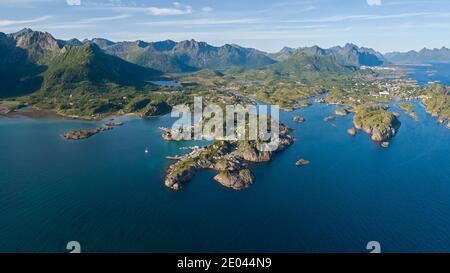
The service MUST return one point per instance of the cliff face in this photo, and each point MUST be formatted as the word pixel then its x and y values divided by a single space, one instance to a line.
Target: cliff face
pixel 384 134
pixel 173 181
pixel 250 153
pixel 39 45
pixel 235 180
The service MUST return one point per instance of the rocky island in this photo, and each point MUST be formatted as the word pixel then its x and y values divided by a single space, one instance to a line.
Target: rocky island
pixel 352 131
pixel 85 133
pixel 228 158
pixel 302 162
pixel 385 144
pixel 381 124
pixel 113 123
pixel 329 118
pixel 298 119
pixel 303 104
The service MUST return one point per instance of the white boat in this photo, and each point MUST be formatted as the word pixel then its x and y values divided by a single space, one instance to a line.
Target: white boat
pixel 146 150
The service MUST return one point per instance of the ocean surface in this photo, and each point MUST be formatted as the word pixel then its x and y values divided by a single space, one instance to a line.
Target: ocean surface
pixel 107 194
pixel 434 72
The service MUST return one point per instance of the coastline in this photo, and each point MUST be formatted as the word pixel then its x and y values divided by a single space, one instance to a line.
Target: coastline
pixel 39 114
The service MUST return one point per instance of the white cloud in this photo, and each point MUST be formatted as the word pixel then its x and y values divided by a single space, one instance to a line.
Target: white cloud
pixel 200 22
pixel 177 9
pixel 368 17
pixel 104 19
pixel 374 2
pixel 9 23
pixel 207 9
pixel 73 2
pixel 309 8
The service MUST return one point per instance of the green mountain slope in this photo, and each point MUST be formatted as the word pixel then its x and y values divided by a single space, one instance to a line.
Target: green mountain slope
pixel 185 56
pixel 300 64
pixel 89 63
pixel 349 55
pixel 425 55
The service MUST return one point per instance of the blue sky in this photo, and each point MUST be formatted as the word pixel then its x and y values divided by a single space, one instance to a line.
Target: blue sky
pixel 386 25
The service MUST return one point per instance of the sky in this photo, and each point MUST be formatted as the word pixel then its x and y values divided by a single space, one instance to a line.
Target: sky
pixel 385 25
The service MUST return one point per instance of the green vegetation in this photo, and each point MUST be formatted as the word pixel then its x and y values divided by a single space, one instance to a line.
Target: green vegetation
pixel 341 112
pixel 185 56
pixel 209 154
pixel 437 101
pixel 408 109
pixel 376 120
pixel 373 117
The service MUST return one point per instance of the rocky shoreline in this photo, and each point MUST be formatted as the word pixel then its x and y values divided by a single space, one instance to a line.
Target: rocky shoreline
pixel 87 133
pixel 298 119
pixel 377 122
pixel 409 110
pixel 84 133
pixel 228 158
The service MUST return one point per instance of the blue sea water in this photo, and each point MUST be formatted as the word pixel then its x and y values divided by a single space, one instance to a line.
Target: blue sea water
pixel 106 193
pixel 434 72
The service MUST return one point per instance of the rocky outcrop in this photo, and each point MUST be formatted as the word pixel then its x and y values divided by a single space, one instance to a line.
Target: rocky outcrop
pixel 298 119
pixel 383 134
pixel 113 124
pixel 352 131
pixel 85 133
pixel 302 162
pixel 377 121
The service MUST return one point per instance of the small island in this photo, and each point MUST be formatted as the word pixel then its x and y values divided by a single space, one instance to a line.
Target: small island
pixel 329 118
pixel 298 119
pixel 302 162
pixel 352 131
pixel 85 133
pixel 112 123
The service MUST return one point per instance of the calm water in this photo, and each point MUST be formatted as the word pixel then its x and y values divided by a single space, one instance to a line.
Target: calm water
pixel 107 194
pixel 167 83
pixel 437 72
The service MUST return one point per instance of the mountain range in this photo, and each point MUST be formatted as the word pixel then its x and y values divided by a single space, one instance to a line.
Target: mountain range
pixel 31 61
pixel 184 56
pixel 349 55
pixel 36 61
pixel 425 55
